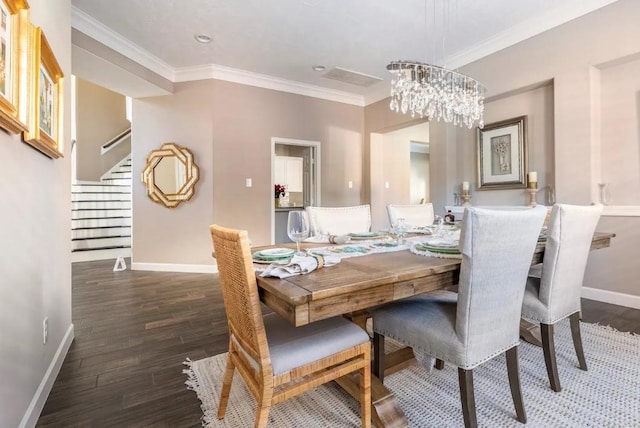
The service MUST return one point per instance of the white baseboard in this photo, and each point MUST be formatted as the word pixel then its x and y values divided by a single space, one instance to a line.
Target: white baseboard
pixel 615 298
pixel 32 414
pixel 169 267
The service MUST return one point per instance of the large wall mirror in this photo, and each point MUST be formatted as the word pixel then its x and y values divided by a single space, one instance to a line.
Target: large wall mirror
pixel 170 175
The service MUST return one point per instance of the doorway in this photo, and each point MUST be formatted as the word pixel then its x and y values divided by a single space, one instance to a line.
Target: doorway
pixel 399 170
pixel 296 164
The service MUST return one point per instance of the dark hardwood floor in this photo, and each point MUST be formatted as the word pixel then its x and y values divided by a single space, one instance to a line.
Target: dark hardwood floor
pixel 133 330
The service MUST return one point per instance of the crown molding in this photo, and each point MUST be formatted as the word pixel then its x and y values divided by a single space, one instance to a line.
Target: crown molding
pixel 105 35
pixel 249 78
pixel 551 18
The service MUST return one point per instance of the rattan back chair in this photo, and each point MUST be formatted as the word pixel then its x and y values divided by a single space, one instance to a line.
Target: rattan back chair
pixel 277 360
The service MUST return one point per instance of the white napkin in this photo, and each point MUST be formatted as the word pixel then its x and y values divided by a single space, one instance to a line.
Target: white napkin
pixel 328 239
pixel 299 265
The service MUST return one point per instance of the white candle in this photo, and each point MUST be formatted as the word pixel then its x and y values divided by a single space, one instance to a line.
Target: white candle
pixel 533 176
pixel 465 186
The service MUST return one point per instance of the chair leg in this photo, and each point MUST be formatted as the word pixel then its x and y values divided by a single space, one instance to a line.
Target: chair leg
pixel 365 394
pixel 513 369
pixel 378 356
pixel 549 349
pixel 226 388
pixel 439 364
pixel 264 406
pixel 574 320
pixel 465 378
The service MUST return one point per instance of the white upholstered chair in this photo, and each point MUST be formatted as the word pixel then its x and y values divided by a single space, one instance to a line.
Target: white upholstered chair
pixel 339 220
pixel 277 360
pixel 553 293
pixel 417 215
pixel 482 320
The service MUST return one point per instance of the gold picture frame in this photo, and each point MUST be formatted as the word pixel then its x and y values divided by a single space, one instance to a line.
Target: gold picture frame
pixel 14 38
pixel 502 154
pixel 45 88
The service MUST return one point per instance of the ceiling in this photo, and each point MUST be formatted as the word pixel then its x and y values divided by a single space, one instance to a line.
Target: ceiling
pixel 278 41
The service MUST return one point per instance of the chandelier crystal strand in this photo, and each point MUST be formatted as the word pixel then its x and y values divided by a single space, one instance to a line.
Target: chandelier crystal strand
pixel 437 93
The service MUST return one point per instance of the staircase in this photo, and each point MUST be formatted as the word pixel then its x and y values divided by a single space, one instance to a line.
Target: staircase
pixel 101 216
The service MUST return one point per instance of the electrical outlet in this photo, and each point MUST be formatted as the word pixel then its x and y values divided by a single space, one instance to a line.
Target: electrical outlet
pixel 45 330
pixel 248 182
pixel 350 184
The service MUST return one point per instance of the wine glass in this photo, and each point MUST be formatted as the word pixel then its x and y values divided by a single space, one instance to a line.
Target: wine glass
pixel 400 229
pixel 298 228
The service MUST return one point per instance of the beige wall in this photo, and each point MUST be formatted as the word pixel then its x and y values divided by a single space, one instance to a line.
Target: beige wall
pixel 229 128
pixel 244 120
pixel 537 105
pixel 174 235
pixel 35 263
pixel 584 106
pixel 620 145
pixel 101 115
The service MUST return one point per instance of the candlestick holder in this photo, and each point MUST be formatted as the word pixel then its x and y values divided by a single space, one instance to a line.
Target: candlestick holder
pixel 532 197
pixel 466 197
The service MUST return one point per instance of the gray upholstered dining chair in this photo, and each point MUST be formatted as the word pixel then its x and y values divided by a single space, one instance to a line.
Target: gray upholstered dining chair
pixel 417 215
pixel 482 320
pixel 339 220
pixel 275 359
pixel 553 293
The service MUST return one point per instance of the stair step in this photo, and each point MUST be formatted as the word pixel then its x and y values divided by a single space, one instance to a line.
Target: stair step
pixel 120 174
pixel 106 188
pixel 120 181
pixel 103 232
pixel 99 196
pixel 101 222
pixel 101 254
pixel 100 205
pixel 100 213
pixel 101 243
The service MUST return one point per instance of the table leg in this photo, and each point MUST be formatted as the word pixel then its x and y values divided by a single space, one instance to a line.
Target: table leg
pixel 530 332
pixel 385 411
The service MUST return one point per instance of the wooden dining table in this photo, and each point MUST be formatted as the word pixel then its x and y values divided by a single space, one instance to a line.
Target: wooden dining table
pixel 357 284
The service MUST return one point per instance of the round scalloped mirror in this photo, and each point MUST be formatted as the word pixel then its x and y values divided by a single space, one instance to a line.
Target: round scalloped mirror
pixel 170 175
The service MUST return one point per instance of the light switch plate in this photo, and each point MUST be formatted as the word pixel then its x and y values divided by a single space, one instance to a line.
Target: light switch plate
pixel 248 182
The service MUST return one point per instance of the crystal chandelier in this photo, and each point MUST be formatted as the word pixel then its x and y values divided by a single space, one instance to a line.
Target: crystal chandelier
pixel 437 93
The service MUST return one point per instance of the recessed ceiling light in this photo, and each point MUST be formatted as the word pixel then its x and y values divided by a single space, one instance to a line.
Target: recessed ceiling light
pixel 202 38
pixel 318 67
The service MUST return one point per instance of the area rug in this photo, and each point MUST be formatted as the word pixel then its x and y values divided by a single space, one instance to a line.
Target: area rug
pixel 608 395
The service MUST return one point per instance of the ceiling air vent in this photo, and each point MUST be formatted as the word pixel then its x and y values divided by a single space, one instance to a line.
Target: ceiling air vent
pixel 351 77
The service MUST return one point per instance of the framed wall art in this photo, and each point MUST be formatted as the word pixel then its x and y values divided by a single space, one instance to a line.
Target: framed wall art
pixel 46 103
pixel 502 154
pixel 14 37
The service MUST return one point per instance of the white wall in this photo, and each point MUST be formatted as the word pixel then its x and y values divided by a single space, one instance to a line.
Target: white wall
pixel 35 262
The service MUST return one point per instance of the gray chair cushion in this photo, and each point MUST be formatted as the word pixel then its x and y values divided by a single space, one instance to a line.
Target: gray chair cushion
pixel 292 347
pixel 405 321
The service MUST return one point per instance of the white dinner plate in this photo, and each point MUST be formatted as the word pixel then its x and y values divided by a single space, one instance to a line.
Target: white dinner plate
pixel 271 252
pixel 364 235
